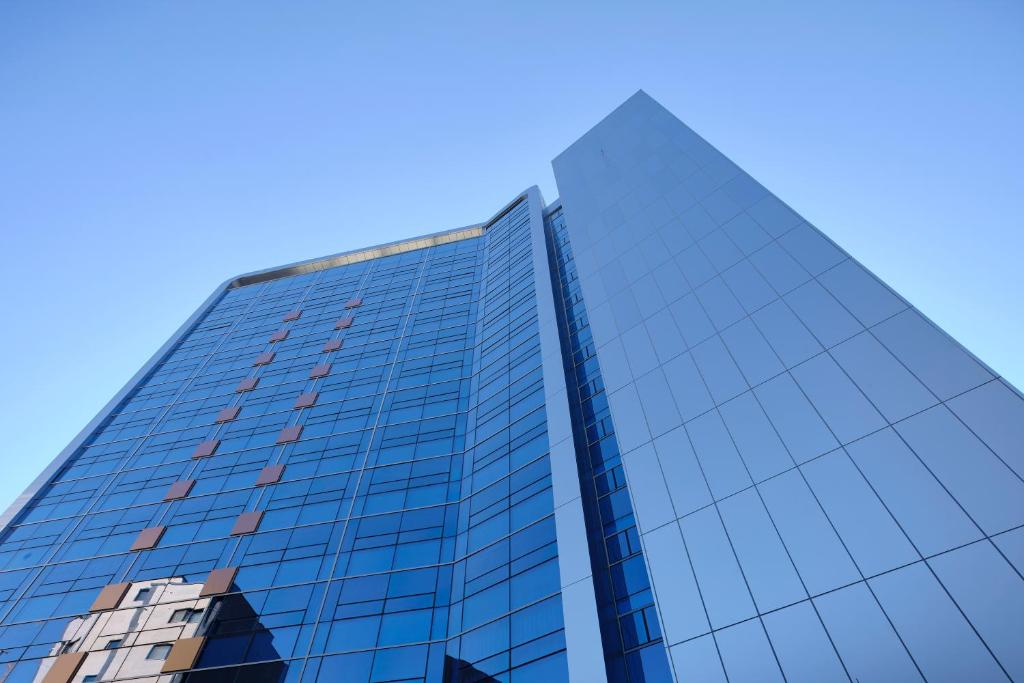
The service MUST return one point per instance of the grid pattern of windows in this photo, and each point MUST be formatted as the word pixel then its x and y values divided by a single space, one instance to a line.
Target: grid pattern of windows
pixel 408 532
pixel 631 635
pixel 827 487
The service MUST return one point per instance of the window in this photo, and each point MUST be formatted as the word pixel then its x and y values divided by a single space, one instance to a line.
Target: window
pixel 192 616
pixel 112 644
pixel 91 678
pixel 143 593
pixel 159 651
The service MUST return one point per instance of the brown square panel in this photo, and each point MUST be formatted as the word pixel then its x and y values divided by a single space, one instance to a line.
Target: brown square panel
pixel 148 538
pixel 320 371
pixel 228 414
pixel 292 315
pixel 247 384
pixel 206 449
pixel 247 523
pixel 264 358
pixel 343 323
pixel 219 582
pixel 271 474
pixel 65 668
pixel 333 345
pixel 183 655
pixel 280 335
pixel 110 597
pixel 306 400
pixel 179 489
pixel 352 303
pixel 289 434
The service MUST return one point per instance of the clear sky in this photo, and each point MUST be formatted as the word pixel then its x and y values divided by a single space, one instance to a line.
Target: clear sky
pixel 149 150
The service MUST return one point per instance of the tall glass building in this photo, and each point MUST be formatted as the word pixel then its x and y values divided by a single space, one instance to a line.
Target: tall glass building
pixel 661 429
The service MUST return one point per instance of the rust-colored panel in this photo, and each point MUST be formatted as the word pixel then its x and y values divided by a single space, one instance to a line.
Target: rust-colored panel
pixel 333 345
pixel 148 538
pixel 280 335
pixel 319 371
pixel 206 449
pixel 264 358
pixel 184 655
pixel 289 434
pixel 228 414
pixel 219 582
pixel 247 523
pixel 271 474
pixel 110 597
pixel 65 668
pixel 306 400
pixel 292 315
pixel 179 489
pixel 343 323
pixel 354 302
pixel 247 384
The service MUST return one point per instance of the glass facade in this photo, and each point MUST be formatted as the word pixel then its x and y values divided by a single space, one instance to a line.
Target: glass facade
pixel 407 529
pixel 825 485
pixel 631 635
pixel 662 429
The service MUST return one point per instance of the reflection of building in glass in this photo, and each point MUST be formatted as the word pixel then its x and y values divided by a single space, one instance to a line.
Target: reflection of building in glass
pixel 457 670
pixel 133 635
pixel 155 631
pixel 659 429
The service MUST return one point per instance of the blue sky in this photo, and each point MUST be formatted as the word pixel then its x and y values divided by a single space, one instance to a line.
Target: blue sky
pixel 152 149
